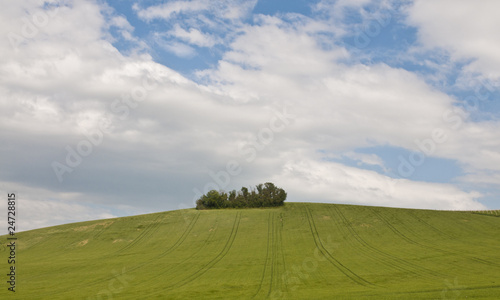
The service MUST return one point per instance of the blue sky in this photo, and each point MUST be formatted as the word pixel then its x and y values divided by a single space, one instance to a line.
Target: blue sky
pixel 114 108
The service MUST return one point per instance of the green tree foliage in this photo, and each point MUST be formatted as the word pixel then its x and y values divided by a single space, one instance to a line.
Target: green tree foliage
pixel 265 195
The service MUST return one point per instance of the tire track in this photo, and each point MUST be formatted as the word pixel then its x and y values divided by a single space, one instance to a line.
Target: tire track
pixel 435 229
pixel 275 280
pixel 448 252
pixel 194 253
pixel 405 293
pixel 96 236
pixel 219 257
pixel 336 263
pixel 104 228
pixel 394 229
pixel 395 262
pixel 404 237
pixel 463 241
pixel 42 239
pixel 176 244
pixel 181 239
pixel 370 251
pixel 275 258
pixel 266 263
pixel 281 249
pixel 150 229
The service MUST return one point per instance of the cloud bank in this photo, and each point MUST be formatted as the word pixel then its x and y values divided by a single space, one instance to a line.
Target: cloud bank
pixel 92 131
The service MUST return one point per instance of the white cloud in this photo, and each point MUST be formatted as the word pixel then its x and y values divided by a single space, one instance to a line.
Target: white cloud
pixel 371 13
pixel 466 30
pixel 234 10
pixel 177 48
pixel 193 36
pixel 337 7
pixel 39 207
pixel 57 85
pixel 121 22
pixel 224 9
pixel 199 23
pixel 367 159
pixel 166 10
pixel 336 183
pixel 482 178
pixel 346 107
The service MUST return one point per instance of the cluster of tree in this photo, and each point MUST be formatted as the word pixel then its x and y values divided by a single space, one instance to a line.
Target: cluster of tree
pixel 264 195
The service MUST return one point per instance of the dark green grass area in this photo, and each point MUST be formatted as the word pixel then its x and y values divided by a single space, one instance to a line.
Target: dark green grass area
pixel 298 251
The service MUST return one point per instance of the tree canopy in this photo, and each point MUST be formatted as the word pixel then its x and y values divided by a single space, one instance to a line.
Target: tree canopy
pixel 264 195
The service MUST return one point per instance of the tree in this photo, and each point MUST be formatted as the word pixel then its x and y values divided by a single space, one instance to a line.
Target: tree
pixel 265 195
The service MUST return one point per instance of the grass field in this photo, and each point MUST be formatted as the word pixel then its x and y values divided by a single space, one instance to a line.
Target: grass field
pixel 299 251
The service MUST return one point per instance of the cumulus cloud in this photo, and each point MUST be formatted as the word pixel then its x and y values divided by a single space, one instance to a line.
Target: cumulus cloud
pixel 193 36
pixel 178 48
pixel 166 10
pixel 464 29
pixel 225 9
pixel 346 107
pixel 337 183
pixel 146 136
pixel 179 25
pixel 39 207
pixel 367 159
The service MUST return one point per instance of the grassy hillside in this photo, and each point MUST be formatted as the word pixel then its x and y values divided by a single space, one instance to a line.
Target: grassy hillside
pixel 299 251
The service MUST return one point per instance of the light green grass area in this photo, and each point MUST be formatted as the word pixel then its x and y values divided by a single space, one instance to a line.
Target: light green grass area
pixel 299 251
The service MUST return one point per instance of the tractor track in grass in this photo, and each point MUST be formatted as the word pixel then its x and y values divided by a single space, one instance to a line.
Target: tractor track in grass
pixel 150 229
pixel 392 261
pixel 432 227
pixel 281 248
pixel 276 283
pixel 190 257
pixel 394 229
pixel 403 236
pixel 215 260
pixel 103 229
pixel 274 254
pixel 355 236
pixel 181 239
pixel 44 239
pixel 449 252
pixel 274 267
pixel 335 262
pixel 176 245
pixel 466 288
pixel 173 247
pixel 269 243
pixel 435 229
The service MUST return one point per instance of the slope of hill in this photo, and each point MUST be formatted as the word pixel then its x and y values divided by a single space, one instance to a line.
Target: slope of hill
pixel 299 251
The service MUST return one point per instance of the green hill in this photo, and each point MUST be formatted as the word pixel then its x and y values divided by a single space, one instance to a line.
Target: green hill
pixel 298 251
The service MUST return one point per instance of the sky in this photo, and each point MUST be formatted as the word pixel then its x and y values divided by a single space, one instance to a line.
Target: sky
pixel 117 108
